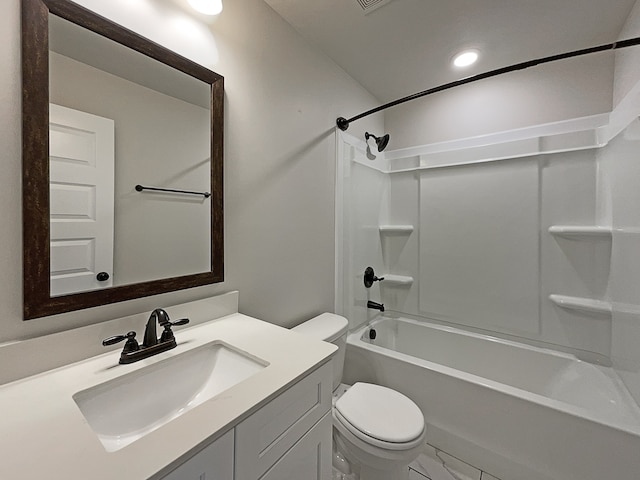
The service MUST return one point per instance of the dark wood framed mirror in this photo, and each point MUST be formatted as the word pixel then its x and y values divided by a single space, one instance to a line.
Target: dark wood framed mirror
pixel 37 19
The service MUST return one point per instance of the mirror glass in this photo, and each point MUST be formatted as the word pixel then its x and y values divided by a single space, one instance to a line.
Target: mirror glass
pixel 132 171
pixel 120 119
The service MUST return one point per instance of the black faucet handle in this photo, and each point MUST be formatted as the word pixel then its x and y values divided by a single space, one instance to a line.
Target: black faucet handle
pixel 167 334
pixel 130 346
pixel 182 321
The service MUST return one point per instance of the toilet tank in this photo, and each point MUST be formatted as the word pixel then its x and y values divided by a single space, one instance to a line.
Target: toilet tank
pixel 331 328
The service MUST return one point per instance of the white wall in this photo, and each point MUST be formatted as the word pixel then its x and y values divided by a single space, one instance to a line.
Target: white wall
pixel 548 93
pixel 282 98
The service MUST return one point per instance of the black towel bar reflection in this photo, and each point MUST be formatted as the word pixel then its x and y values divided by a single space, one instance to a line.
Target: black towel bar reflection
pixel 140 188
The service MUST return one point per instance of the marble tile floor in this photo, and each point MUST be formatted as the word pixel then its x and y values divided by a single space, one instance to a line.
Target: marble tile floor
pixel 434 464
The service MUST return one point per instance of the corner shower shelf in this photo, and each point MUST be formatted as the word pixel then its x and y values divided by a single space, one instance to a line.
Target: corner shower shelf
pixel 397 280
pixel 575 231
pixel 580 303
pixel 396 229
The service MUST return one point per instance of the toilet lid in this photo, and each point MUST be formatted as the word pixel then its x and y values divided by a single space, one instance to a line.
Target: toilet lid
pixel 381 413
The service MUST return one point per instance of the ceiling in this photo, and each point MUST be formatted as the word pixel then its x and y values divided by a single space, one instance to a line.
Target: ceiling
pixel 406 46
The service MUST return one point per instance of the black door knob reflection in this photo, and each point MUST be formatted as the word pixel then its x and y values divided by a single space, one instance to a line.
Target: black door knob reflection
pixel 102 277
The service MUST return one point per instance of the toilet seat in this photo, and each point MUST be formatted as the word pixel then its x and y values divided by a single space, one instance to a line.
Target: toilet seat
pixel 380 416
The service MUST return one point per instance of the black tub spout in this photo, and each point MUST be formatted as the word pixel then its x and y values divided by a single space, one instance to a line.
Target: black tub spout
pixel 375 305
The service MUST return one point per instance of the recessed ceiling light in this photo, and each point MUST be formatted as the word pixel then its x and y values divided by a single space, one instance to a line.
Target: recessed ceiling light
pixel 208 7
pixel 466 58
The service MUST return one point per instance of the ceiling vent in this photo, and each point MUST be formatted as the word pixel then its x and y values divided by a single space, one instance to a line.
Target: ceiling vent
pixel 369 6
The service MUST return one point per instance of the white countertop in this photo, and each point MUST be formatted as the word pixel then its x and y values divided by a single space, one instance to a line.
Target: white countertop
pixel 44 434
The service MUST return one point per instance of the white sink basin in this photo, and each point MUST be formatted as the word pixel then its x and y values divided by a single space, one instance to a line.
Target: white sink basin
pixel 125 409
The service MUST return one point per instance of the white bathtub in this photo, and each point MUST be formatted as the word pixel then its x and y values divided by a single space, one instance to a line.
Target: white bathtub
pixel 518 412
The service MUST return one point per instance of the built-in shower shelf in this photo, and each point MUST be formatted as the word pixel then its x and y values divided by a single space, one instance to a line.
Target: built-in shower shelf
pixel 396 229
pixel 577 231
pixel 581 303
pixel 397 280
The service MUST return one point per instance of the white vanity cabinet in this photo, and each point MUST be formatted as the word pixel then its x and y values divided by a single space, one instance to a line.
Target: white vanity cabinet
pixel 289 438
pixel 309 459
pixel 287 431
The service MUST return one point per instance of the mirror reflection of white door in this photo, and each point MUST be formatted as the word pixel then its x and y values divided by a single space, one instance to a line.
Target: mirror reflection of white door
pixel 82 152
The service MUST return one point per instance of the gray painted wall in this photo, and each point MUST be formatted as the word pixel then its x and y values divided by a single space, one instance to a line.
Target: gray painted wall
pixel 627 69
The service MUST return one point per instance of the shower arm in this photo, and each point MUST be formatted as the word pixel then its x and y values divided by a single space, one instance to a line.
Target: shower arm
pixel 343 123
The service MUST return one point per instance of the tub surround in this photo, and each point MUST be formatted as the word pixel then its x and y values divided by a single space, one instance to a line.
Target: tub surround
pixel 555 274
pixel 41 419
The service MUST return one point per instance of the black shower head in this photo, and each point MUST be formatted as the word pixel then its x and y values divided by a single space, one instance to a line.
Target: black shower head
pixel 380 141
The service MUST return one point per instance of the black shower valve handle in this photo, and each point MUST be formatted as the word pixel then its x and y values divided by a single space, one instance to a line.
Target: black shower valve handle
pixel 370 277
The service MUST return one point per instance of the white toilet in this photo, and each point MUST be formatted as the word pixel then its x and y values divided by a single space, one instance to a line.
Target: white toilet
pixel 377 431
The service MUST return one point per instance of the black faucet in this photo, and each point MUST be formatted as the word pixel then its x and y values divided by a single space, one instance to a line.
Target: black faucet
pixel 151 345
pixel 150 335
pixel 375 305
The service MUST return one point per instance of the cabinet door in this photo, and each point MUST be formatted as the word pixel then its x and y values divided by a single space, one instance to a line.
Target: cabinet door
pixel 215 462
pixel 270 432
pixel 309 459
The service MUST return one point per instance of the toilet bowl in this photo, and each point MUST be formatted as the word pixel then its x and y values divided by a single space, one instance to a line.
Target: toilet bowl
pixel 377 431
